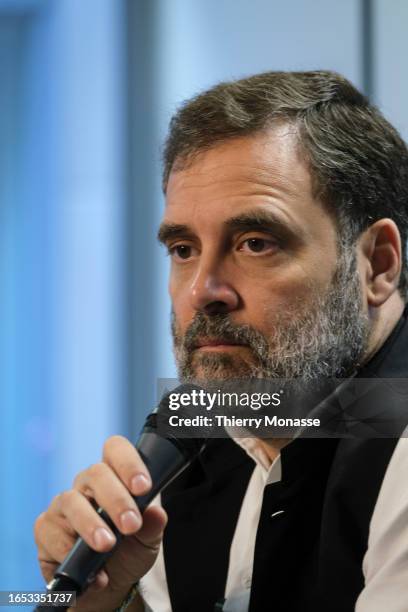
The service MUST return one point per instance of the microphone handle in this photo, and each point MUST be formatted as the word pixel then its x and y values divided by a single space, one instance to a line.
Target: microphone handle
pixel 82 563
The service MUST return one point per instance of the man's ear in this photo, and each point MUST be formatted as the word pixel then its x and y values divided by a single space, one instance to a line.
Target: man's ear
pixel 380 261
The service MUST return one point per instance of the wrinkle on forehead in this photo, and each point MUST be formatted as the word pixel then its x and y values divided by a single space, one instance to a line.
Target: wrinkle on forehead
pixel 266 163
pixel 253 180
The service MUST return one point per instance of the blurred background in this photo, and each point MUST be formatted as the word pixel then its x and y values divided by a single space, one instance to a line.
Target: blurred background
pixel 87 88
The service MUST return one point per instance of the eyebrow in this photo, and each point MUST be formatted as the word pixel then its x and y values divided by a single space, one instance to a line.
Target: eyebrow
pixel 250 221
pixel 259 220
pixel 167 231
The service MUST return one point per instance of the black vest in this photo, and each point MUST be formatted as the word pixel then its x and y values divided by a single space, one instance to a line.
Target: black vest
pixel 308 558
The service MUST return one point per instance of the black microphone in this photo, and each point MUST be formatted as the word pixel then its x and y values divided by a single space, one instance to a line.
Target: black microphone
pixel 165 457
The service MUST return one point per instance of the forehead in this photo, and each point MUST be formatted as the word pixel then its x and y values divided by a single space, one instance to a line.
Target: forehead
pixel 265 170
pixel 258 155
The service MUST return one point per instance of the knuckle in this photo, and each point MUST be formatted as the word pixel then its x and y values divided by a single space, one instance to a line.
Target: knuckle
pixel 63 546
pixel 79 478
pixel 97 470
pixel 127 468
pixel 54 503
pixel 121 503
pixel 46 570
pixel 38 526
pixel 111 444
pixel 66 498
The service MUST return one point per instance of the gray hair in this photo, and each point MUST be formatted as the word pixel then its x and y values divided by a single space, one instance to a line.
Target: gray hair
pixel 358 161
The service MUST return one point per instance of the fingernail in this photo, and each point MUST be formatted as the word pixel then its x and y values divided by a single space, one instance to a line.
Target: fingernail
pixel 140 483
pixel 103 538
pixel 101 579
pixel 130 522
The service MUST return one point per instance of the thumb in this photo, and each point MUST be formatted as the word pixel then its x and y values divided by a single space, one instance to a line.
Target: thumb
pixel 137 553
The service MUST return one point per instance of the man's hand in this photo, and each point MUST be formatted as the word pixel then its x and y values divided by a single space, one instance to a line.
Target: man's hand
pixel 110 484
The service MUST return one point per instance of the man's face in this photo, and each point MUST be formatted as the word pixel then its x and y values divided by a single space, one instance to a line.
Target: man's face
pixel 257 284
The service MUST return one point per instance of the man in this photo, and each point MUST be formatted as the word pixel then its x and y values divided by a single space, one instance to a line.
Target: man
pixel 286 223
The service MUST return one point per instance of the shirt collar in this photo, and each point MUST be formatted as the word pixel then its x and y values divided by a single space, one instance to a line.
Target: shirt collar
pixel 271 470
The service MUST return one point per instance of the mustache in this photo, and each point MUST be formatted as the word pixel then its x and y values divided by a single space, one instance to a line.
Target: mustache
pixel 217 326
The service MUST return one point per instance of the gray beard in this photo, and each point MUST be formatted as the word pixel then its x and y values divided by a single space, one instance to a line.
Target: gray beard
pixel 326 337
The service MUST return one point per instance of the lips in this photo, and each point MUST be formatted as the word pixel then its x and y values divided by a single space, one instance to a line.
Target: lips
pixel 215 342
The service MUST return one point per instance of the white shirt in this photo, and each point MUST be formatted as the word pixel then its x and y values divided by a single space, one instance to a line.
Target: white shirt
pixel 385 565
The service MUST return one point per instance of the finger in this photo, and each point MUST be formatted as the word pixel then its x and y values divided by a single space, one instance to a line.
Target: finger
pixel 54 540
pixel 51 556
pixel 126 462
pixel 48 570
pixel 103 485
pixel 154 523
pixel 137 553
pixel 82 517
pixel 101 582
pixel 51 519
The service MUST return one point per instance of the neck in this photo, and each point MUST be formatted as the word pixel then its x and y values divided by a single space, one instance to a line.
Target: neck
pixel 273 446
pixel 383 320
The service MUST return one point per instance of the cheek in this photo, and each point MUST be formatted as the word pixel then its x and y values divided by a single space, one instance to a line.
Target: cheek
pixel 180 304
pixel 280 290
pixel 274 301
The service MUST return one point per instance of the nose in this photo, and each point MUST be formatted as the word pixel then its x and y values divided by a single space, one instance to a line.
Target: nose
pixel 212 293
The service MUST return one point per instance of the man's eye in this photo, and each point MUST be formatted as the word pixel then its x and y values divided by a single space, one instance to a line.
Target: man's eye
pixel 181 251
pixel 258 245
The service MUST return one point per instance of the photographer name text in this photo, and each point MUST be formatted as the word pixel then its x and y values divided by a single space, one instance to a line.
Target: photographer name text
pixel 232 421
